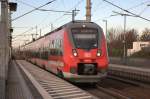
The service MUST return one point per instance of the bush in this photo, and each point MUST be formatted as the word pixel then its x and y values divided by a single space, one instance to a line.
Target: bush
pixel 142 54
pixel 115 52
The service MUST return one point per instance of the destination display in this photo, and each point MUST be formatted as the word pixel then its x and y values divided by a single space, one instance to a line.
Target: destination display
pixel 84 30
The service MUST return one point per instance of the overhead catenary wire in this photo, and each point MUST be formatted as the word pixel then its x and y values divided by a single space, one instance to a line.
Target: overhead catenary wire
pixel 65 12
pixel 21 27
pixel 42 9
pixel 97 6
pixel 68 11
pixel 32 28
pixel 63 3
pixel 54 10
pixel 126 10
pixel 133 7
pixel 24 32
pixel 33 10
pixel 46 10
pixel 78 3
pixel 37 8
pixel 143 10
pixel 29 5
pixel 102 18
pixel 138 5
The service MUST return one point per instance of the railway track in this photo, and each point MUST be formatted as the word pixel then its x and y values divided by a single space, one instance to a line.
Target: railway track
pixel 118 88
pixel 104 93
pixel 124 89
pixel 132 82
pixel 50 86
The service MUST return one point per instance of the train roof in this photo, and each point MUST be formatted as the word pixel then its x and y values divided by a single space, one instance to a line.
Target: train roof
pixel 69 25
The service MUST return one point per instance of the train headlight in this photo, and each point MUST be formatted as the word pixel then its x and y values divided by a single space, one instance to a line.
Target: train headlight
pixel 74 52
pixel 99 53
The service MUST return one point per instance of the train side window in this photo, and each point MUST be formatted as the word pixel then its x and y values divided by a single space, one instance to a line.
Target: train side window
pixel 52 51
pixel 46 55
pixel 59 52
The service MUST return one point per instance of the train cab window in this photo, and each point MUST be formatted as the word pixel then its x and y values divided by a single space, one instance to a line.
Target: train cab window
pixel 85 38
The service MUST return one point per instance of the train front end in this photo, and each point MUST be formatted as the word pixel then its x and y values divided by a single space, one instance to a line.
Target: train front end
pixel 85 53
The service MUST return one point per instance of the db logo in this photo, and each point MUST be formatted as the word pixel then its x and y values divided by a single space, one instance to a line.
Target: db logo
pixel 87 55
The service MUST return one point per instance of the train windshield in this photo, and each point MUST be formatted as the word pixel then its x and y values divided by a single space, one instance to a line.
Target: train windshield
pixel 85 38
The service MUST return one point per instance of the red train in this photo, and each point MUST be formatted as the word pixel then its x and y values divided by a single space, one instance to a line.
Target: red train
pixel 76 51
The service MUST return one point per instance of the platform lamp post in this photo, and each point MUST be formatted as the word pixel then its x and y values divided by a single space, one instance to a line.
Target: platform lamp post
pixel 105 28
pixel 106 34
pixel 124 37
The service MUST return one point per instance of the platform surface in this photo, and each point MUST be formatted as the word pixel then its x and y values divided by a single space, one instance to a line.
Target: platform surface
pixel 16 87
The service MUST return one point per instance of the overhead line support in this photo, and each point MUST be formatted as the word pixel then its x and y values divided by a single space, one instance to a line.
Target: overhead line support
pixel 127 11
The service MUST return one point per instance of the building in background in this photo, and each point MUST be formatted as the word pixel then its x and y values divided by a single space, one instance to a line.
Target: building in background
pixel 138 46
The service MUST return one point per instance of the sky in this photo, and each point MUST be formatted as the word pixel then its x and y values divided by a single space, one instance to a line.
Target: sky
pixel 26 25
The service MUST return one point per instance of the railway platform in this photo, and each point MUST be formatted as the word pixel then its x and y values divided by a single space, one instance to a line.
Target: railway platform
pixel 130 72
pixel 27 81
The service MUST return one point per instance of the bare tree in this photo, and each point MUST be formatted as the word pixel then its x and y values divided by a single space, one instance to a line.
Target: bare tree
pixel 115 38
pixel 145 35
